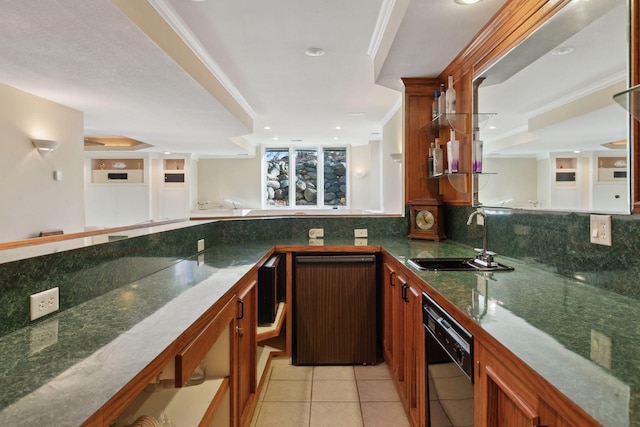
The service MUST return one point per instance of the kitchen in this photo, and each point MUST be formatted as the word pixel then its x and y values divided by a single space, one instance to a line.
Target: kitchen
pixel 574 248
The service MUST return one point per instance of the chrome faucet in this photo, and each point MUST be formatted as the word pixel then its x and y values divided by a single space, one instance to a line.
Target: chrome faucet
pixel 484 257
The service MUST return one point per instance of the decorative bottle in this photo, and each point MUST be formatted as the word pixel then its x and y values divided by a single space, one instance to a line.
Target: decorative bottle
pixel 430 159
pixel 453 153
pixel 435 110
pixel 451 98
pixel 442 100
pixel 438 159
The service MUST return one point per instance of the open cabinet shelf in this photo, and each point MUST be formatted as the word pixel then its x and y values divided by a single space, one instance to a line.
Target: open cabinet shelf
pixel 273 329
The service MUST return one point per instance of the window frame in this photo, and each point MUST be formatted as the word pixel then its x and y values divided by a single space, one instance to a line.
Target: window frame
pixel 293 149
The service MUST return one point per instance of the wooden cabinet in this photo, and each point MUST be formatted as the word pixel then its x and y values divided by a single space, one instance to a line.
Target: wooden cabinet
pixel 245 353
pixel 403 341
pixel 388 283
pixel 508 394
pixel 414 353
pixel 210 380
pixel 184 396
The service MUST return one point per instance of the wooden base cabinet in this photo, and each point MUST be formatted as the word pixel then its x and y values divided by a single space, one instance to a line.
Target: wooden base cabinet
pixel 181 395
pixel 509 394
pixel 403 341
pixel 209 381
pixel 246 351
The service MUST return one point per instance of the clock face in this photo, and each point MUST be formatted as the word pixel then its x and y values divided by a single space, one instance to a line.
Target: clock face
pixel 424 220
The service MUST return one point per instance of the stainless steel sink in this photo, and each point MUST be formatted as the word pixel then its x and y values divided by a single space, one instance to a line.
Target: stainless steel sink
pixel 454 264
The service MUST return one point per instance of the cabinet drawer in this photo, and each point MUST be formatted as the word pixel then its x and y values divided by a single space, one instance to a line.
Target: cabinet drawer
pixel 194 352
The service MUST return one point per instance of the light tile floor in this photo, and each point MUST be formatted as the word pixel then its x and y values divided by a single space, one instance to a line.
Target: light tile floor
pixel 332 396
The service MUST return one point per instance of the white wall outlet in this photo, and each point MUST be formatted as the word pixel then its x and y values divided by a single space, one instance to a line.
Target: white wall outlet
pixel 44 302
pixel 360 232
pixel 200 245
pixel 360 241
pixel 316 242
pixel 316 233
pixel 600 230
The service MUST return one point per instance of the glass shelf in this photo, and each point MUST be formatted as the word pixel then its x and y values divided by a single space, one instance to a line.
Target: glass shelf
pixel 459 121
pixel 480 120
pixel 630 100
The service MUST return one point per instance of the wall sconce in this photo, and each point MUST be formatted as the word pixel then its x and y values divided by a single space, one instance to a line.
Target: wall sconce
pixel 397 157
pixel 45 145
pixel 360 174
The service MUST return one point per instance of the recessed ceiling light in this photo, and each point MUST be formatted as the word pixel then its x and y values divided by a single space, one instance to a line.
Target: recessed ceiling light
pixel 314 51
pixel 562 50
pixel 466 2
pixel 338 127
pixel 357 114
pixel 492 127
pixel 267 127
pixel 275 139
pixel 335 138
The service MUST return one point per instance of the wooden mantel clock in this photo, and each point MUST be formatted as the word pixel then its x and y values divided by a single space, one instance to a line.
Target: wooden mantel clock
pixel 427 220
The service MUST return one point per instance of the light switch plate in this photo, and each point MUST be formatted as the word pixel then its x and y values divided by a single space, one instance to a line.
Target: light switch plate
pixel 200 245
pixel 600 230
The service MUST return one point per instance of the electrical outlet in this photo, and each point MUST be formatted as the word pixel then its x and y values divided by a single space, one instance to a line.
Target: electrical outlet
pixel 600 230
pixel 360 241
pixel 316 242
pixel 44 302
pixel 360 232
pixel 316 233
pixel 200 245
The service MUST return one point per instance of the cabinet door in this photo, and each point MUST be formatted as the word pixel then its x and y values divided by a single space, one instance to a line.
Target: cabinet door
pixel 501 399
pixel 414 354
pixel 246 324
pixel 387 290
pixel 398 358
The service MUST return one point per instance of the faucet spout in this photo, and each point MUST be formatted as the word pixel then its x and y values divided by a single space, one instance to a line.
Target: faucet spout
pixel 484 256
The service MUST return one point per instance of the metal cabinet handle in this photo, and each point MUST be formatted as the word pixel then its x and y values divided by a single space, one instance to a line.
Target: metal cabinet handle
pixel 241 316
pixel 404 293
pixel 391 281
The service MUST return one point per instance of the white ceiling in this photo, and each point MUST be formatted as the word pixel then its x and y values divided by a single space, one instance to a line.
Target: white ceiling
pixel 142 84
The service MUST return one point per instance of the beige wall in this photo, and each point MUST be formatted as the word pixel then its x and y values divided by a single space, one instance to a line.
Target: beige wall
pixel 236 179
pixel 32 200
pixel 392 172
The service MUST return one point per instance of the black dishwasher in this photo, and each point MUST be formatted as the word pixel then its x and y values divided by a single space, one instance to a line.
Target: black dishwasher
pixel 449 373
pixel 334 309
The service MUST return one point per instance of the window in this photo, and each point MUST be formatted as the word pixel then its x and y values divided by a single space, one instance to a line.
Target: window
pixel 319 177
pixel 335 177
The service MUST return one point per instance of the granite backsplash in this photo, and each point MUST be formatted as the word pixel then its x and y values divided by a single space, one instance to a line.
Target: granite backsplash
pixel 558 242
pixel 87 272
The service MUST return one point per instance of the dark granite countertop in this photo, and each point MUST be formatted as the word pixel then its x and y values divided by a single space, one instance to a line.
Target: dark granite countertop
pixel 580 338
